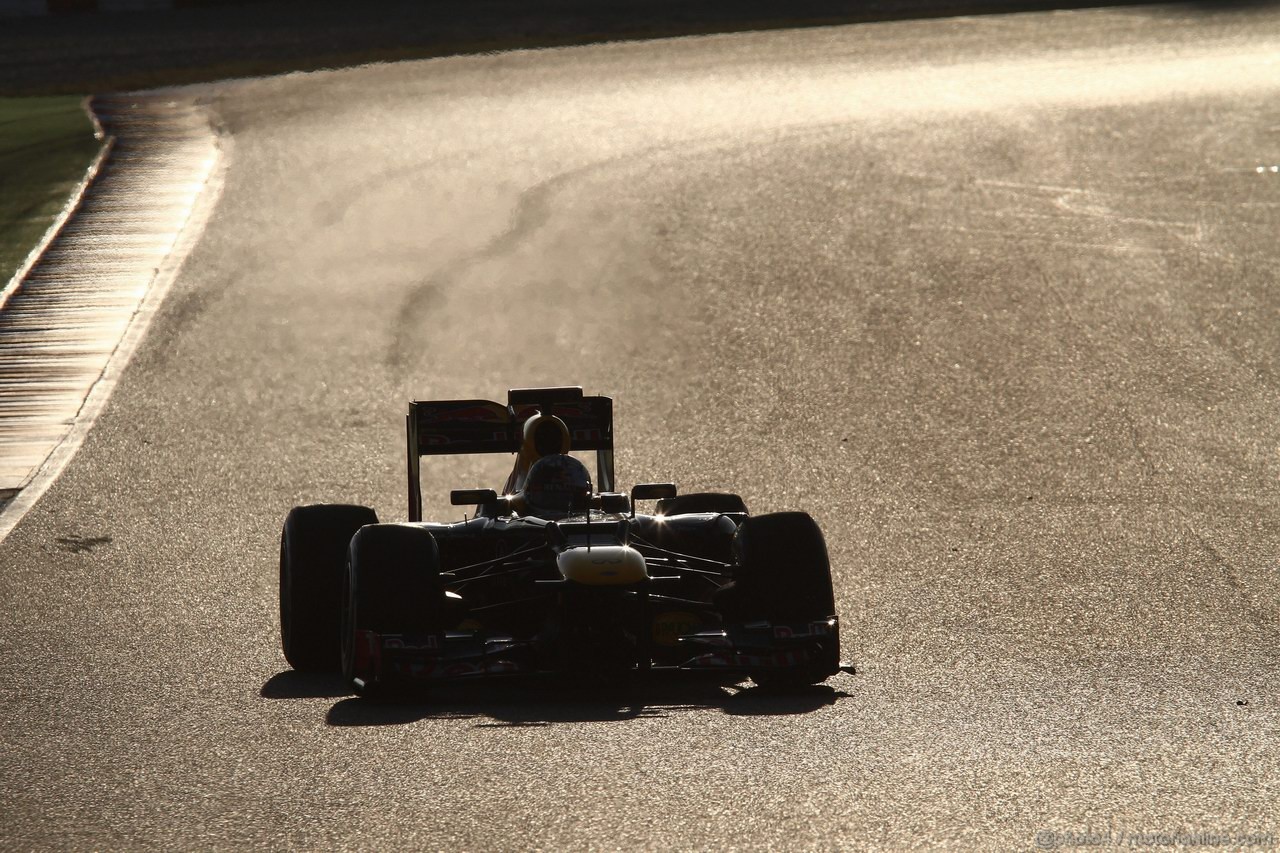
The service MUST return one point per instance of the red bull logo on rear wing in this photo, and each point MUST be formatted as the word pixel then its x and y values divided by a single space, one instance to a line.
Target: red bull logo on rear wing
pixel 482 426
pixel 456 427
pixel 463 426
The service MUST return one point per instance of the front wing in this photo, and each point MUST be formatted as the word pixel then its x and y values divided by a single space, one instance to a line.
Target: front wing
pixel 405 661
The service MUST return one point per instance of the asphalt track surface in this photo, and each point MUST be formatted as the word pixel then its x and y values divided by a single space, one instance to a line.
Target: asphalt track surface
pixel 995 299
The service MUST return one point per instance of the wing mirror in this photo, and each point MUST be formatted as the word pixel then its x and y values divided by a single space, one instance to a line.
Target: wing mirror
pixel 651 492
pixel 465 497
pixel 614 503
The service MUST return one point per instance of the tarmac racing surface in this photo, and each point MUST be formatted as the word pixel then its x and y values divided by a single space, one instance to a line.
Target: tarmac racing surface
pixel 993 298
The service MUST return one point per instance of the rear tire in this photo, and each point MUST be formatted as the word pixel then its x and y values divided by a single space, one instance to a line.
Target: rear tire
pixel 392 587
pixel 313 555
pixel 783 575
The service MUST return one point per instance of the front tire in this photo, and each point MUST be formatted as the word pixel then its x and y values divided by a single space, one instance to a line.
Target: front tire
pixel 783 576
pixel 392 587
pixel 313 556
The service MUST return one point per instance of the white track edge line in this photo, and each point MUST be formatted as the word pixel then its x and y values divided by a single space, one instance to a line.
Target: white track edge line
pixel 96 401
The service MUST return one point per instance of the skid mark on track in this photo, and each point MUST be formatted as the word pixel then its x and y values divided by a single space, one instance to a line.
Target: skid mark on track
pixel 334 207
pixel 1084 78
pixel 1053 238
pixel 1261 619
pixel 531 211
pixel 81 544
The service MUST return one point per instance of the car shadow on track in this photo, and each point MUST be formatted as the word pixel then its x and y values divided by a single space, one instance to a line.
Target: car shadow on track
pixel 508 707
pixel 292 684
pixel 512 705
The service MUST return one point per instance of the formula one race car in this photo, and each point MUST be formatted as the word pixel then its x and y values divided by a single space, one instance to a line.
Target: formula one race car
pixel 552 575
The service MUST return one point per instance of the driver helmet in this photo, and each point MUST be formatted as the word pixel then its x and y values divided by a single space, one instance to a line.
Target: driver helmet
pixel 556 486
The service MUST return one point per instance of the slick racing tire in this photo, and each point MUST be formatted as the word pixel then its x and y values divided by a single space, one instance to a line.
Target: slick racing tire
pixel 783 575
pixel 701 502
pixel 313 555
pixel 392 587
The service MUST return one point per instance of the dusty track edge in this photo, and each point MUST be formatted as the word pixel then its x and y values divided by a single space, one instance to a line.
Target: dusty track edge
pixel 24 499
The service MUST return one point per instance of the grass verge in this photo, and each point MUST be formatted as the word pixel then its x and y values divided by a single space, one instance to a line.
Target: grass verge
pixel 45 146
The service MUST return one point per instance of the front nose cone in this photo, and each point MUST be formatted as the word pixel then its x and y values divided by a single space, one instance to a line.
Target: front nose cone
pixel 602 565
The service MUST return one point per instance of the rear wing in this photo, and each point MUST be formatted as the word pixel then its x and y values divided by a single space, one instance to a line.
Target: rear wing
pixel 451 427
